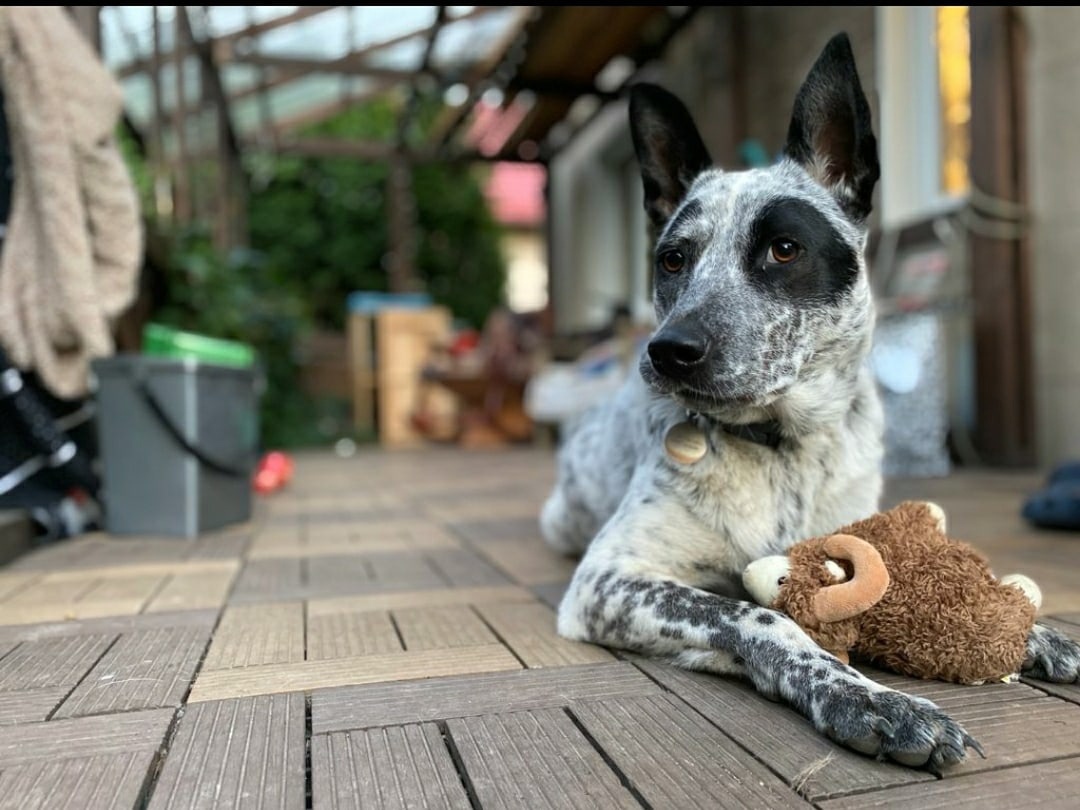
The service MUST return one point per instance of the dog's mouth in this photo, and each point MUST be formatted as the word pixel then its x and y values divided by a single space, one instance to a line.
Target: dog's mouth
pixel 707 403
pixel 718 400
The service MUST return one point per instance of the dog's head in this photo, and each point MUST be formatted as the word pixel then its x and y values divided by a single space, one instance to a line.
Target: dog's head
pixel 760 283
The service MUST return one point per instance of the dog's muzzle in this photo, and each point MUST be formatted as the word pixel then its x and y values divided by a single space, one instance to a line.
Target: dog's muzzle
pixel 678 352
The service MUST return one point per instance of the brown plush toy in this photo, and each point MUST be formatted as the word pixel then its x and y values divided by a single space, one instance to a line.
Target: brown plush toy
pixel 894 590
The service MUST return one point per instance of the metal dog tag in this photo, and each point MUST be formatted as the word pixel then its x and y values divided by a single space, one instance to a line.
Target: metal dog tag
pixel 685 443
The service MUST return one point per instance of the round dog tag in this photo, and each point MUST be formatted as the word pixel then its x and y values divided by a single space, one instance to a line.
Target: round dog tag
pixel 685 443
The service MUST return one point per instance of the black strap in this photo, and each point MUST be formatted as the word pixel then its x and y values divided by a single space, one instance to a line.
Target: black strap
pixel 767 434
pixel 203 458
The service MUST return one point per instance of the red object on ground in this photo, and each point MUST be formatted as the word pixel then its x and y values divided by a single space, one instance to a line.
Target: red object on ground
pixel 464 342
pixel 275 470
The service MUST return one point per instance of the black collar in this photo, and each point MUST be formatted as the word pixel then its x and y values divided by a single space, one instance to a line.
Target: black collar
pixel 767 434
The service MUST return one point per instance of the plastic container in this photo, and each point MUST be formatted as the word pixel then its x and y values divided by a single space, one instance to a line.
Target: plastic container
pixel 178 444
pixel 164 341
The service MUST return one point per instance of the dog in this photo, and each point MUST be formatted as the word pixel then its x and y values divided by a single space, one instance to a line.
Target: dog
pixel 754 421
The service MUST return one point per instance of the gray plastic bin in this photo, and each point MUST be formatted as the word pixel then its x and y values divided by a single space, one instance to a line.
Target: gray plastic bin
pixel 179 440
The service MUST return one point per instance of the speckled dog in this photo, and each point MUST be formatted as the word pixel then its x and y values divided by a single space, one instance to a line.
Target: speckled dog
pixel 754 422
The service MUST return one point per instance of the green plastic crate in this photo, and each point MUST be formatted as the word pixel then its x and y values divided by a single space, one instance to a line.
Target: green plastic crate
pixel 164 341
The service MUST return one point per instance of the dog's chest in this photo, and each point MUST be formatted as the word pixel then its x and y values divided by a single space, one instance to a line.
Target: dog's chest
pixel 753 499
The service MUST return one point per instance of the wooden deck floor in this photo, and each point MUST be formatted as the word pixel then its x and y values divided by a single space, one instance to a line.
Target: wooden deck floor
pixel 382 635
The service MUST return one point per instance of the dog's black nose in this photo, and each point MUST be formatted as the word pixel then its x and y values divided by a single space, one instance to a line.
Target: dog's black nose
pixel 677 352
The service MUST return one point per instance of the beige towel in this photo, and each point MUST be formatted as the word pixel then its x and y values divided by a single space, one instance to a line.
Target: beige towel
pixel 71 256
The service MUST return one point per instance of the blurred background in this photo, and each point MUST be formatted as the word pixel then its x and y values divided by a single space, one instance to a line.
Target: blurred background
pixel 419 225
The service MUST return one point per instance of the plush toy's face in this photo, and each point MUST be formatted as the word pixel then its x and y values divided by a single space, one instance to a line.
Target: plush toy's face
pixel 766 578
pixel 820 581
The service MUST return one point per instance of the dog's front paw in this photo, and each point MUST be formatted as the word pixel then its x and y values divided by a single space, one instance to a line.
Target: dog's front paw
pixel 1051 656
pixel 886 723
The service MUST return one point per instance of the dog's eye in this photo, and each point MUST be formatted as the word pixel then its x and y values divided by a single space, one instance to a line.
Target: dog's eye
pixel 783 251
pixel 781 581
pixel 672 261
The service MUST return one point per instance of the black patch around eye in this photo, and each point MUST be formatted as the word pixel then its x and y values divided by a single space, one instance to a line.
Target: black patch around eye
pixel 826 267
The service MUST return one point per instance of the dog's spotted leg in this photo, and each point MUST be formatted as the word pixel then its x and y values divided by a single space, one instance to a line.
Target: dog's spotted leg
pixel 1051 656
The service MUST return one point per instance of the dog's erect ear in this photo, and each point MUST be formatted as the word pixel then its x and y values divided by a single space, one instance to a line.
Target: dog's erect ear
pixel 669 149
pixel 830 133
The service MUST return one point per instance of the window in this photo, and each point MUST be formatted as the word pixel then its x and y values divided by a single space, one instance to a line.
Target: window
pixel 924 89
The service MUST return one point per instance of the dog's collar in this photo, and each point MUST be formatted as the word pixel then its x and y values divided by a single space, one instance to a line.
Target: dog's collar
pixel 767 434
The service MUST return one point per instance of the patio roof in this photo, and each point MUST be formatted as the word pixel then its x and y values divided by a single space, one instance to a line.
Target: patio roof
pixel 515 81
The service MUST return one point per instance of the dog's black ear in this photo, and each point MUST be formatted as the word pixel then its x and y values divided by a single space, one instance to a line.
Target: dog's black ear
pixel 830 133
pixel 669 148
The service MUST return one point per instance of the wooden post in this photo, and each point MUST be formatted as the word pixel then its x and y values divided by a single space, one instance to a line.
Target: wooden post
pixel 401 225
pixel 1000 268
pixel 181 179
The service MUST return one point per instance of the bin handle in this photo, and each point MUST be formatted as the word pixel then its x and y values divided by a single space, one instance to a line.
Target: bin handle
pixel 170 427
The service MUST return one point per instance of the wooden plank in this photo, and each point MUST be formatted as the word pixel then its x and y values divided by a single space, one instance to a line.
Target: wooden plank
pixel 465 569
pixel 1045 785
pixel 149 569
pixel 779 736
pixel 235 753
pixel 420 598
pixel 221 546
pixel 268 579
pixel 110 624
pixel 673 757
pixel 83 737
pixel 60 662
pixel 147 670
pixel 47 612
pixel 347 635
pixel 47 591
pixel 400 767
pixel 551 594
pixel 527 561
pixel 307 675
pixel 356 538
pixel 102 782
pixel 441 698
pixel 1021 732
pixel 501 507
pixel 529 630
pixel 250 635
pixel 29 705
pixel 370 573
pixel 406 570
pixel 13 582
pixel 1065 691
pixel 193 592
pixel 951 695
pixel 136 589
pixel 538 754
pixel 441 628
pixel 499 531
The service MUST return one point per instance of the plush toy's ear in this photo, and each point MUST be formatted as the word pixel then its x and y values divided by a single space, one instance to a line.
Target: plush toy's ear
pixel 865 588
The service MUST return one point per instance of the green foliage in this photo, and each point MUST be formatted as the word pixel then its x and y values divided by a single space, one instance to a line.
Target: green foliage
pixel 318 232
pixel 322 223
pixel 236 297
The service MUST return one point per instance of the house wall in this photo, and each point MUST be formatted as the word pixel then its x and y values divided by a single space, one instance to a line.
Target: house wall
pixel 598 251
pixel 1053 115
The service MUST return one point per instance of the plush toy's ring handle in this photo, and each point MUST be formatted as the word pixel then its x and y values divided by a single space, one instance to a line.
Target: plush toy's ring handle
pixel 865 588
